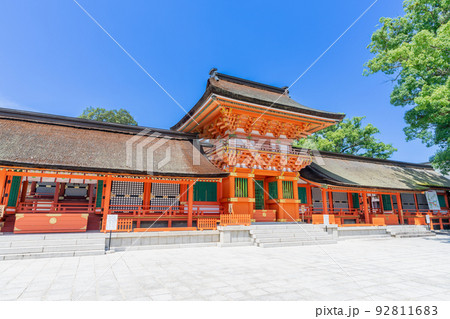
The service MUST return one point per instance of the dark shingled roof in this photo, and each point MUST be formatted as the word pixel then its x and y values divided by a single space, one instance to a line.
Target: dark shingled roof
pixel 357 171
pixel 254 92
pixel 57 142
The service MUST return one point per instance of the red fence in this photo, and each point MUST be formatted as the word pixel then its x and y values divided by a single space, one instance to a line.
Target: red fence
pixel 439 219
pixel 40 206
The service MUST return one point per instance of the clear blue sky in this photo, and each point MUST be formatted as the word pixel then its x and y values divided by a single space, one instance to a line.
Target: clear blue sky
pixel 54 59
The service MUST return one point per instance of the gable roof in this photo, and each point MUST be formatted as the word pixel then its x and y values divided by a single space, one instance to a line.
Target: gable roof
pixel 39 140
pixel 358 171
pixel 253 92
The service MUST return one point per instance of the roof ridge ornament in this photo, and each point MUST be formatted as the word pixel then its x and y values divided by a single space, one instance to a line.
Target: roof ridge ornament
pixel 213 74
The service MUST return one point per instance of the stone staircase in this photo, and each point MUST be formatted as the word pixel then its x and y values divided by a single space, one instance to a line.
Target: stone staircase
pixel 26 246
pixel 363 233
pixel 409 231
pixel 284 235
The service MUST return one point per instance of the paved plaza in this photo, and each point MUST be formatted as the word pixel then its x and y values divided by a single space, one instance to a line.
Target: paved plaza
pixel 384 269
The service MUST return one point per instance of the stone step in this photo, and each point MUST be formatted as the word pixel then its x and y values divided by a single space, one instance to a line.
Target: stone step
pixel 409 231
pixel 285 231
pixel 288 234
pixel 40 249
pixel 290 239
pixel 295 243
pixel 65 242
pixel 366 237
pixel 412 235
pixel 290 226
pixel 168 246
pixel 58 236
pixel 52 254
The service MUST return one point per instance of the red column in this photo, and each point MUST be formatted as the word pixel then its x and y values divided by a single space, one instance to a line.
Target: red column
pixel 107 200
pixel 366 209
pixel 56 195
pixel 400 208
pixel 415 202
pixel 190 203
pixel 281 214
pixel 2 183
pixel 24 191
pixel 251 195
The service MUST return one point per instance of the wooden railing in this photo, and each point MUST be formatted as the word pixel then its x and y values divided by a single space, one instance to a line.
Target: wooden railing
pixel 235 219
pixel 207 223
pixel 124 225
pixel 134 211
pixel 438 219
pixel 51 207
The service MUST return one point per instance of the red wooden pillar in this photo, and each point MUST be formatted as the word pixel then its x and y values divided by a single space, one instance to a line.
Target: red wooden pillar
pixel 350 200
pixel 309 195
pixel 2 183
pixel 33 188
pixel 324 201
pixel 400 208
pixel 281 214
pixel 24 191
pixel 251 195
pixel 231 186
pixel 190 203
pixel 415 202
pixel 330 200
pixel 90 192
pixel 107 200
pixel 380 198
pixel 56 195
pixel 219 191
pixel 366 210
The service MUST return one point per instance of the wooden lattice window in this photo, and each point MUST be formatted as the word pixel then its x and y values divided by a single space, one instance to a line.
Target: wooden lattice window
pixel 240 187
pixel 273 190
pixel 288 189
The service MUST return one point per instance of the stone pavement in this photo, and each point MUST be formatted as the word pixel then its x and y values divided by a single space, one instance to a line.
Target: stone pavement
pixel 384 269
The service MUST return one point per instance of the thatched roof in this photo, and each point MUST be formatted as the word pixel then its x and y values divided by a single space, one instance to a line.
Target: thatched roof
pixel 253 92
pixel 48 141
pixel 357 171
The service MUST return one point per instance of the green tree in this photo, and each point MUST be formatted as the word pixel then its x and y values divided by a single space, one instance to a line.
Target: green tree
pixel 349 137
pixel 120 116
pixel 414 50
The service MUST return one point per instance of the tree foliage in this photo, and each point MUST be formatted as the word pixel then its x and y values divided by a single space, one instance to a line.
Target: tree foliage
pixel 414 50
pixel 349 137
pixel 120 116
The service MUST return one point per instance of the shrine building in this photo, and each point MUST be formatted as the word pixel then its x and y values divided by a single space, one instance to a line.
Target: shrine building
pixel 230 160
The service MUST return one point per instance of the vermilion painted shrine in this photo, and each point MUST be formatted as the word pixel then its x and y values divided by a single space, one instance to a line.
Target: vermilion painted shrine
pixel 230 160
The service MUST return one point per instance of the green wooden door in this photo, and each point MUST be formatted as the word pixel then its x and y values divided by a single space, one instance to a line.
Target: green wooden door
pixel 259 194
pixel 14 191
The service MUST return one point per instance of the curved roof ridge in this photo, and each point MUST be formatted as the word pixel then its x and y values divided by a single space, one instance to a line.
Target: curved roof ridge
pixel 80 123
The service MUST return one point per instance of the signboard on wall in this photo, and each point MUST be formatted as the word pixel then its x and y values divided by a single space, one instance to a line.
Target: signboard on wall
pixel 432 199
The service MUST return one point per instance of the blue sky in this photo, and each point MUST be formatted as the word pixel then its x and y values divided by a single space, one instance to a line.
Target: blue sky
pixel 54 59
